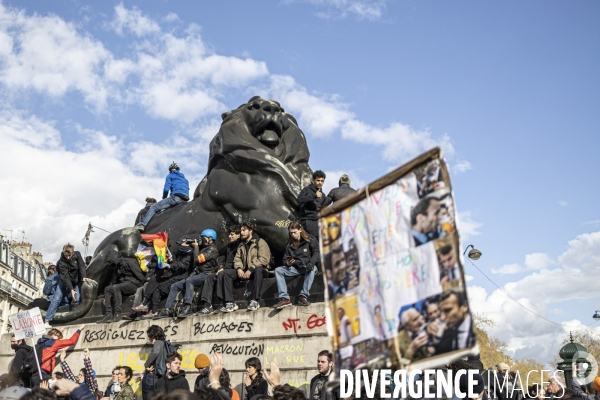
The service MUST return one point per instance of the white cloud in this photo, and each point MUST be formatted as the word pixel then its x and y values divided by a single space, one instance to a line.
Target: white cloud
pixel 401 142
pixel 563 203
pixel 134 21
pixel 172 17
pixel 318 116
pixel 467 227
pixel 47 54
pixel 533 261
pixel 461 166
pixel 363 9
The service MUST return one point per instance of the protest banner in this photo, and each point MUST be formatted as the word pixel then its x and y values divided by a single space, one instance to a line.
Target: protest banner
pixel 393 271
pixel 27 324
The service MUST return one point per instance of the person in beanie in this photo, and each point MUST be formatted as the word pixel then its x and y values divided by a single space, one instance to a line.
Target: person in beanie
pixel 300 258
pixel 202 363
pixel 178 186
pixel 311 200
pixel 344 189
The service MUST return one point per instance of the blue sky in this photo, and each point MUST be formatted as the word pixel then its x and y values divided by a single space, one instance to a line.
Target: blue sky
pixel 98 97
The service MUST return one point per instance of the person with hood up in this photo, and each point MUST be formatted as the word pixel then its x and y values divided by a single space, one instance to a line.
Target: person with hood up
pixel 311 200
pixel 71 268
pixel 178 186
pixel 174 378
pixel 159 285
pixel 149 203
pixel 225 267
pixel 127 277
pixel 16 372
pixel 52 343
pixel 205 262
pixel 343 190
pixel 251 262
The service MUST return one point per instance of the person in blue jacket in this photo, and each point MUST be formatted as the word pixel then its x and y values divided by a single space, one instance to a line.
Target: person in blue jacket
pixel 51 284
pixel 179 188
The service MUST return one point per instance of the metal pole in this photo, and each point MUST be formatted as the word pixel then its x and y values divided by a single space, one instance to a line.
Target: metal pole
pixel 37 360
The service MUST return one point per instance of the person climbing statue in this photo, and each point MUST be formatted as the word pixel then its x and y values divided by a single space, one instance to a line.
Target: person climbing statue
pixel 179 188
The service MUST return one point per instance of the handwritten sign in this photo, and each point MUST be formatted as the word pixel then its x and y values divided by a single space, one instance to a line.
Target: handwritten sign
pixel 27 324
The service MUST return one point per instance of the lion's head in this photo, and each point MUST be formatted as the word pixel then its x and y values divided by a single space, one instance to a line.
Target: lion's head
pixel 260 137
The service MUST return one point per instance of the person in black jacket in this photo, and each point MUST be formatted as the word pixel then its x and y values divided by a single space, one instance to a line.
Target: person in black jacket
pixel 149 202
pixel 300 258
pixel 205 262
pixel 225 266
pixel 126 278
pixel 344 189
pixel 174 378
pixel 317 388
pixel 311 200
pixel 160 284
pixel 254 382
pixel 71 268
pixel 16 374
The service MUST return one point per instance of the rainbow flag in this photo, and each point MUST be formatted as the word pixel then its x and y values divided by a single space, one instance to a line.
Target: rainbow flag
pixel 159 241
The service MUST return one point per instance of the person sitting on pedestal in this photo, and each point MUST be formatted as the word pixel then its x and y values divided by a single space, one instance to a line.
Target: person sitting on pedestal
pixel 178 185
pixel 300 258
pixel 205 262
pixel 251 262
pixel 225 268
pixel 160 284
pixel 126 279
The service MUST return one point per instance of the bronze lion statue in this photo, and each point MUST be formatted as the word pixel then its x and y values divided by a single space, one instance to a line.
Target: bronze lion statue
pixel 257 165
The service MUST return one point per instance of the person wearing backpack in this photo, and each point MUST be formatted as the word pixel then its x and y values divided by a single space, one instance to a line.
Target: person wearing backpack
pixel 154 370
pixel 174 378
pixel 16 373
pixel 47 347
pixel 251 263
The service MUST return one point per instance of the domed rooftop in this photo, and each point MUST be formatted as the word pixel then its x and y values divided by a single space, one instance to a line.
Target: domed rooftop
pixel 568 350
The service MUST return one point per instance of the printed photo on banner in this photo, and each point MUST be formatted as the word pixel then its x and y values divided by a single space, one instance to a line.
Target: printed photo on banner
pixel 436 325
pixel 429 178
pixel 346 310
pixel 447 254
pixel 432 217
pixel 342 270
pixel 330 232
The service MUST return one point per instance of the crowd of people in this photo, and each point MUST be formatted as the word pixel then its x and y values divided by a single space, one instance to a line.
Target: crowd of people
pixel 197 265
pixel 162 377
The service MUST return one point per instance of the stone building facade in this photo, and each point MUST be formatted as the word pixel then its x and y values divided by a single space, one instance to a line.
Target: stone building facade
pixel 22 277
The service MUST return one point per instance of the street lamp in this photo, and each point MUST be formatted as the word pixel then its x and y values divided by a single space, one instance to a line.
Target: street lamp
pixel 596 316
pixel 475 254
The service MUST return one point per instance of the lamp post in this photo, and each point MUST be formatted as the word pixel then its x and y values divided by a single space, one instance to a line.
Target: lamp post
pixel 474 254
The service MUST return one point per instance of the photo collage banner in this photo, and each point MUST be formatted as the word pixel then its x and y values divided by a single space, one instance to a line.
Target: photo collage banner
pixel 393 271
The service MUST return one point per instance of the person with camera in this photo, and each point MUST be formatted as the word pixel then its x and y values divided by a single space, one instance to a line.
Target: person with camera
pixel 126 278
pixel 159 285
pixel 300 258
pixel 205 262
